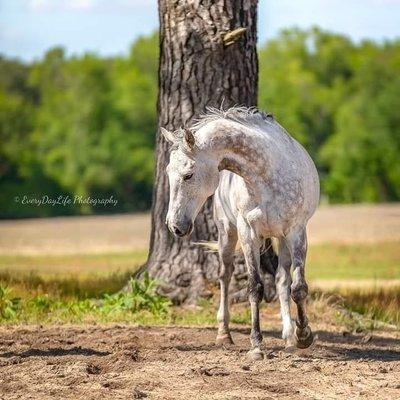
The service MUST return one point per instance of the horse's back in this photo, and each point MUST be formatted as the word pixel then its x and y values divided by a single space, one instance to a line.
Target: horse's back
pixel 293 176
pixel 290 193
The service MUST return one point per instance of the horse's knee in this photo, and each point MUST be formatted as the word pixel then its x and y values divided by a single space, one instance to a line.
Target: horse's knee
pixel 225 272
pixel 255 289
pixel 222 272
pixel 299 291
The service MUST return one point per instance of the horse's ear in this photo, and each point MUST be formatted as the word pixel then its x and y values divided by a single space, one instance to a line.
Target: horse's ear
pixel 169 136
pixel 189 138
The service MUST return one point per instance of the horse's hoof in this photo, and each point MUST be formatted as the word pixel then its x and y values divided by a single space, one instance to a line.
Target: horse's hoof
pixel 290 349
pixel 255 355
pixel 224 340
pixel 290 344
pixel 304 338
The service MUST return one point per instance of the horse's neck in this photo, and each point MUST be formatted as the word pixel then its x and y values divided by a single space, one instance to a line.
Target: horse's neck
pixel 239 150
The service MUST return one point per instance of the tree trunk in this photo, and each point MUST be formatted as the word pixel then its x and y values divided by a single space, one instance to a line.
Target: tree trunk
pixel 205 60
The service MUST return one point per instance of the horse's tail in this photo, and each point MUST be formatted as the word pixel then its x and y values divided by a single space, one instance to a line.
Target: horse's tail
pixel 212 246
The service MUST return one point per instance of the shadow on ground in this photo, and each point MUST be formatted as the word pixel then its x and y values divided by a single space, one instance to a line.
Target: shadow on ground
pixel 55 352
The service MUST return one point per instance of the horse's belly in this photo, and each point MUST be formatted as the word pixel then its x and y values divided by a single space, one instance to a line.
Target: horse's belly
pixel 277 218
pixel 267 223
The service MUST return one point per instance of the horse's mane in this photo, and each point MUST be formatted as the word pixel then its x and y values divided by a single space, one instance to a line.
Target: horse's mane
pixel 248 116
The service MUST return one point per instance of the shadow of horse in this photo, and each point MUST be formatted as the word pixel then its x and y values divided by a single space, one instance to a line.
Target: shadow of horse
pixel 379 348
pixel 55 352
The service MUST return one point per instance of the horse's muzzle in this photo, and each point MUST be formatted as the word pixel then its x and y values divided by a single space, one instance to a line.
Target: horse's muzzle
pixel 181 230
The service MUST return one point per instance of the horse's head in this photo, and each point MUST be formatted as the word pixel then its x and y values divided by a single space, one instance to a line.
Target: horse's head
pixel 193 177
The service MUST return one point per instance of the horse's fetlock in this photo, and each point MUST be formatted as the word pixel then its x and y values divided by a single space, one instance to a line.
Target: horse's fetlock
pixel 302 323
pixel 256 339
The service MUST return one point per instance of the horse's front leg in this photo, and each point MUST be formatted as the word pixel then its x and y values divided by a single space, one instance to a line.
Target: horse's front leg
pixel 251 249
pixel 297 243
pixel 227 239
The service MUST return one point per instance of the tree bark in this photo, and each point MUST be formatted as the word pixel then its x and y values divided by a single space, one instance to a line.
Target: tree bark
pixel 205 60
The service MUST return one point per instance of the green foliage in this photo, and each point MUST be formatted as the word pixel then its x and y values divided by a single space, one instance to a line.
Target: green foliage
pixel 340 100
pixel 8 305
pixel 140 300
pixel 142 305
pixel 141 295
pixel 85 125
pixel 78 127
pixel 42 304
pixel 364 150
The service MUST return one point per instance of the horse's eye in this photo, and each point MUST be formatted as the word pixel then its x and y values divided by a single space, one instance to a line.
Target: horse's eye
pixel 187 177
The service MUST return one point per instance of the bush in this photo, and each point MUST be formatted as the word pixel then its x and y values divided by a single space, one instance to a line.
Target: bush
pixel 8 305
pixel 142 295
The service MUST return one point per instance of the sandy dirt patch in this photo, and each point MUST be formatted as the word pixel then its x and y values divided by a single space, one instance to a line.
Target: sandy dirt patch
pixel 127 362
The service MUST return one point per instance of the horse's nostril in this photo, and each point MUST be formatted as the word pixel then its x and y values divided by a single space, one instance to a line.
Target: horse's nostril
pixel 177 231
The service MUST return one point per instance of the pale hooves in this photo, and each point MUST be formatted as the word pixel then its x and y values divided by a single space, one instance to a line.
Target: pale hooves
pixel 304 337
pixel 255 354
pixel 290 345
pixel 224 340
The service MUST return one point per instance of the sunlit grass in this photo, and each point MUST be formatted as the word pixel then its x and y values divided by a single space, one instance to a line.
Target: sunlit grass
pixel 48 266
pixel 354 261
pixel 325 262
pixel 80 276
pixel 68 289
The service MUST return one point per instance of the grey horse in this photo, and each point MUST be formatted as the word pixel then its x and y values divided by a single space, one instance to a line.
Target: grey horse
pixel 266 186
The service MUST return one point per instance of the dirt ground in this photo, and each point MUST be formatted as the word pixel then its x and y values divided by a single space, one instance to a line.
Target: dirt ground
pixel 128 362
pixel 356 223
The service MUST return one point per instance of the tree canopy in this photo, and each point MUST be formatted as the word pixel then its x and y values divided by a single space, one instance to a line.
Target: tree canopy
pixel 85 125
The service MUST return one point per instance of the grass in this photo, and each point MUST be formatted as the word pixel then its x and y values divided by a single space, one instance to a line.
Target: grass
pixel 354 261
pixel 141 298
pixel 75 276
pixel 141 305
pixel 81 288
pixel 67 265
pixel 376 305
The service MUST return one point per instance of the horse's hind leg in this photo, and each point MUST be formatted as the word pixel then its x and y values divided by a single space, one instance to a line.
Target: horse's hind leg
pixel 251 251
pixel 268 267
pixel 283 282
pixel 227 239
pixel 297 243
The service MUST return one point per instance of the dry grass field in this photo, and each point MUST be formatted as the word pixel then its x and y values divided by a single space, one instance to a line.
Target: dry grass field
pixel 347 224
pixel 348 245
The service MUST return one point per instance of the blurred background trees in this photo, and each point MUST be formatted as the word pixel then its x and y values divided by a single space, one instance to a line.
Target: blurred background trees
pixel 85 125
